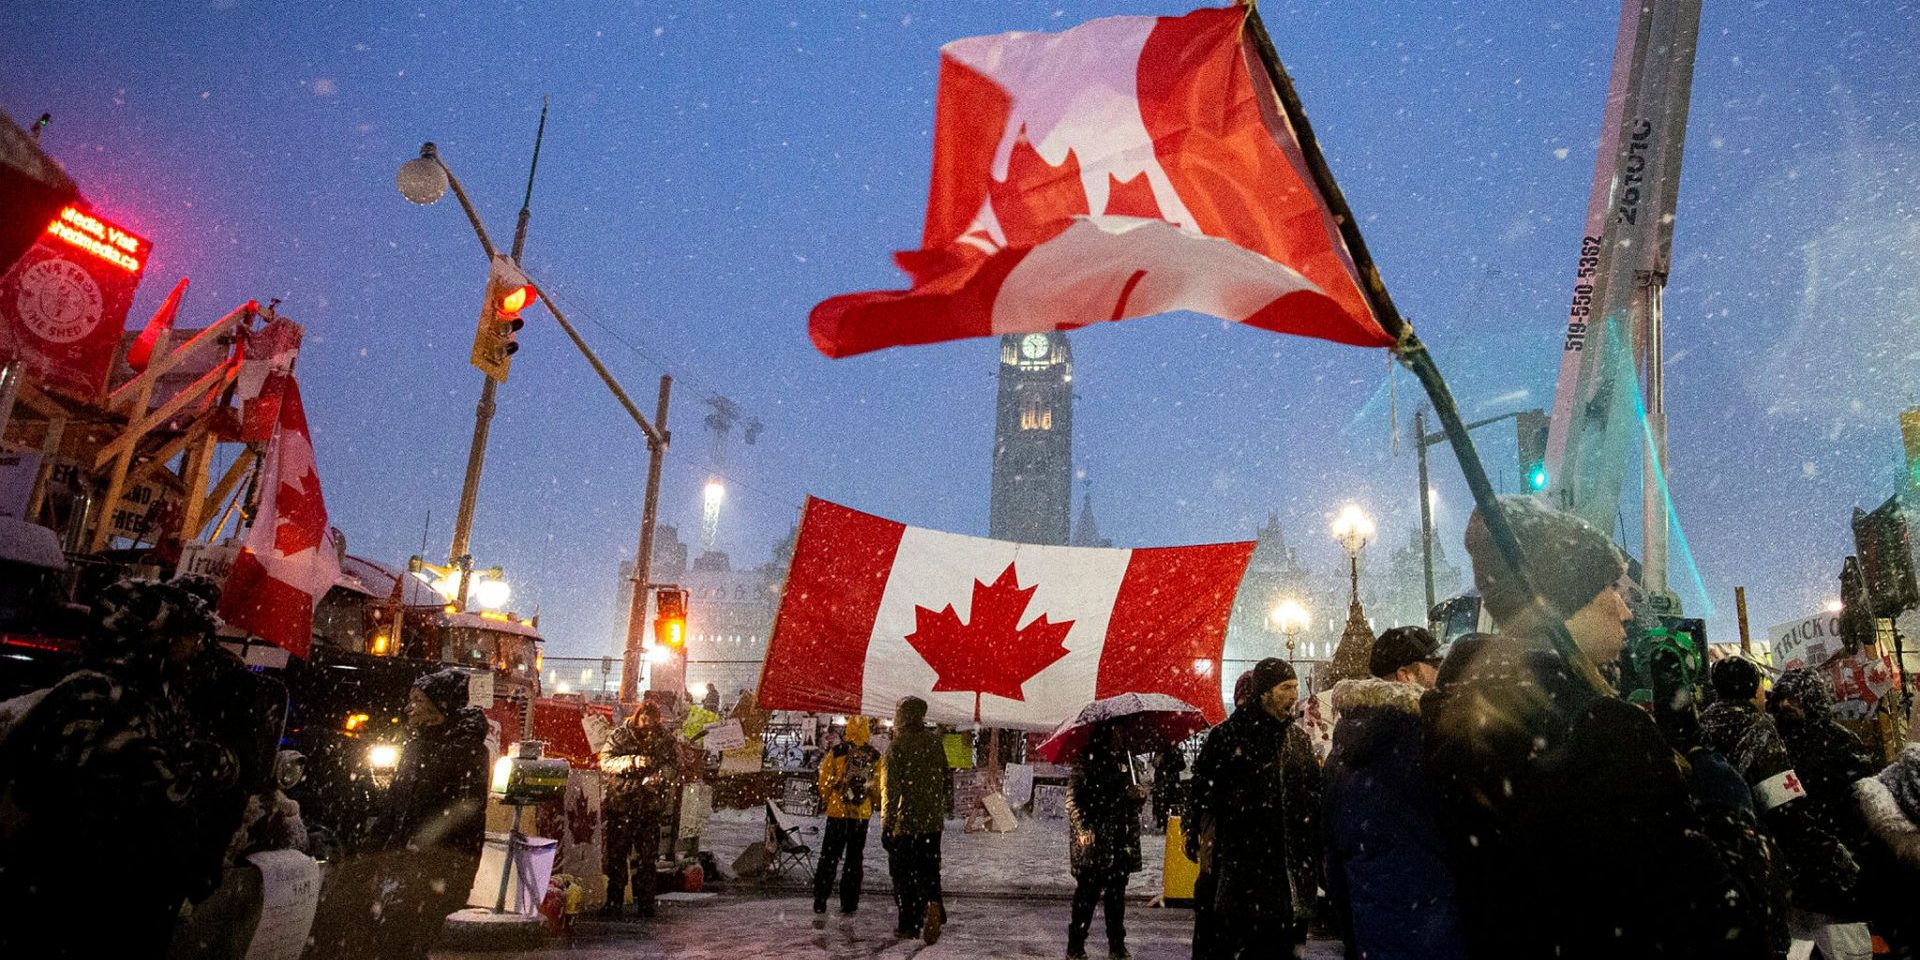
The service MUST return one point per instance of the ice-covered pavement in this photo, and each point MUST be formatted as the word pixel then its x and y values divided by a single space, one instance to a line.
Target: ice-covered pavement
pixel 1031 859
pixel 744 925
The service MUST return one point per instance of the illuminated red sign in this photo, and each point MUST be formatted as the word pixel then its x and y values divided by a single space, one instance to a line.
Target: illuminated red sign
pixel 111 243
pixel 64 303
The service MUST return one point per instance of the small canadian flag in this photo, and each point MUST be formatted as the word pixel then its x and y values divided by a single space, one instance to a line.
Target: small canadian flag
pixel 992 632
pixel 288 561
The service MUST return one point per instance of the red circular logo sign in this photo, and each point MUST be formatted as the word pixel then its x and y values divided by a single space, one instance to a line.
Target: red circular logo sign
pixel 59 301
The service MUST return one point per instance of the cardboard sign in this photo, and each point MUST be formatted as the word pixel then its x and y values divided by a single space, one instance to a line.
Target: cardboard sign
pixel 480 689
pixel 723 736
pixel 744 759
pixel 1810 641
pixel 597 728
pixel 139 507
pixel 1018 784
pixel 999 815
pixel 1050 801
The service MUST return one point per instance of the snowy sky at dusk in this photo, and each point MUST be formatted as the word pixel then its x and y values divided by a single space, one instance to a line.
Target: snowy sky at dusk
pixel 712 170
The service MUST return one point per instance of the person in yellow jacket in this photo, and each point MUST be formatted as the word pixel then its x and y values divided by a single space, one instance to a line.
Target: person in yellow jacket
pixel 849 778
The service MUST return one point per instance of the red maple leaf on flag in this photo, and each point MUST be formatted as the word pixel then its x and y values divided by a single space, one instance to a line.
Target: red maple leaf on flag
pixel 1037 199
pixel 992 653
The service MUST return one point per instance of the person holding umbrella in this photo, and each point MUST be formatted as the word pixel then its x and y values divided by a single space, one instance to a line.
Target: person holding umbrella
pixel 1104 798
pixel 1103 811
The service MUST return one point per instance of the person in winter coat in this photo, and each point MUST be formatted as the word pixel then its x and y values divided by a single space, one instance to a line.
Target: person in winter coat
pixel 1569 816
pixel 434 824
pixel 849 778
pixel 1388 877
pixel 1196 827
pixel 914 787
pixel 1103 813
pixel 101 778
pixel 1262 805
pixel 1889 803
pixel 640 761
pixel 1829 760
pixel 1823 874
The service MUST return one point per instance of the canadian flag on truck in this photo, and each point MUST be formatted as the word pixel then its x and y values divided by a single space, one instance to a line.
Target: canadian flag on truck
pixel 987 631
pixel 288 561
pixel 1126 167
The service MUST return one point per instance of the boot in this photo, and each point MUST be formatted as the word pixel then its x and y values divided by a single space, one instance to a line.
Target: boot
pixel 930 929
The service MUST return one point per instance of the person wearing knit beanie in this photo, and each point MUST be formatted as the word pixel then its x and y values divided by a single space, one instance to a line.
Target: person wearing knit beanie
pixel 1540 772
pixel 1575 569
pixel 1273 685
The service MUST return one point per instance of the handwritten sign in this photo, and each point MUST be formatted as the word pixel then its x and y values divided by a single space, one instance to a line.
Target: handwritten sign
pixel 1808 642
pixel 724 736
pixel 289 895
pixel 1018 784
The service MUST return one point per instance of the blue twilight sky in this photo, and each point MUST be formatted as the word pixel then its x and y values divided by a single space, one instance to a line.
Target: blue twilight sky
pixel 711 170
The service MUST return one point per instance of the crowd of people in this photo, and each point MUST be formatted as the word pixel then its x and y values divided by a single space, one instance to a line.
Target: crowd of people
pixel 1494 799
pixel 134 788
pixel 1504 801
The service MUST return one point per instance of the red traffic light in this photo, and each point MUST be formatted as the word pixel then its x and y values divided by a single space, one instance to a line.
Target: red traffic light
pixel 670 617
pixel 517 299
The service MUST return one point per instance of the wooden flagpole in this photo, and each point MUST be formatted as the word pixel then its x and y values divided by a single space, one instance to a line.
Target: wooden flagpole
pixel 1411 352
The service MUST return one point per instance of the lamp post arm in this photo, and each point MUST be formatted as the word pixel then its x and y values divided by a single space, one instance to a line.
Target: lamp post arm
pixel 473 216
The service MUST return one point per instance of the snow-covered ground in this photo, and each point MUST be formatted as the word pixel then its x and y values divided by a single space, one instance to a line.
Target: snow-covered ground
pixel 748 926
pixel 1031 859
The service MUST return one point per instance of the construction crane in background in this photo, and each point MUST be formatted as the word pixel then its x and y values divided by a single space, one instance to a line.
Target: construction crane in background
pixel 720 421
pixel 1610 363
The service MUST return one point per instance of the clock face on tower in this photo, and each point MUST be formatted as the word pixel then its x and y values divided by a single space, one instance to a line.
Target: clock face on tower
pixel 1035 346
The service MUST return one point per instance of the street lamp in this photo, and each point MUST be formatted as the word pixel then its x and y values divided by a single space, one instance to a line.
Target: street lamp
pixel 1291 618
pixel 1353 529
pixel 424 180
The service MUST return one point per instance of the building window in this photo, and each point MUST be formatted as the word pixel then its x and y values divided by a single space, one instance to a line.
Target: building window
pixel 1035 414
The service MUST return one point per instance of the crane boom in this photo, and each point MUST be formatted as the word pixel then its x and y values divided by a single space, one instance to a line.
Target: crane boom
pixel 1612 349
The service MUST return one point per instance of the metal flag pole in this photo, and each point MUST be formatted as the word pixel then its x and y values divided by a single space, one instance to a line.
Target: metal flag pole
pixel 1412 352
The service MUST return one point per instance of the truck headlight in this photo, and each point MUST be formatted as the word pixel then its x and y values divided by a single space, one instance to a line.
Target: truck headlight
pixel 383 757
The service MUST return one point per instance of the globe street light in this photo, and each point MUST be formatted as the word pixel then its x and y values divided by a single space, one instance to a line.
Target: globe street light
pixel 1353 529
pixel 422 180
pixel 1291 618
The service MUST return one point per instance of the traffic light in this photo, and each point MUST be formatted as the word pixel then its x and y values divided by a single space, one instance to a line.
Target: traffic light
pixel 670 618
pixel 497 337
pixel 1531 429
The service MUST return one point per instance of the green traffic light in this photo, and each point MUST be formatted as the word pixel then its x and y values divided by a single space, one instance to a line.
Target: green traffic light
pixel 1537 477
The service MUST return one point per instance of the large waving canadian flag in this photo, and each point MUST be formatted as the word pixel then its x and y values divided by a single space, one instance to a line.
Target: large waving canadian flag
pixel 991 632
pixel 1127 167
pixel 288 561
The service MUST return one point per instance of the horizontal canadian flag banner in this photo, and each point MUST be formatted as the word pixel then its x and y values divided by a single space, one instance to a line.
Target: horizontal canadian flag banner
pixel 991 632
pixel 1127 167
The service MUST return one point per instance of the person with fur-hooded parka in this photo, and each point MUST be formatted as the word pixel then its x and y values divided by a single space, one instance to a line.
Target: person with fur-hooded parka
pixel 1890 804
pixel 1388 877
